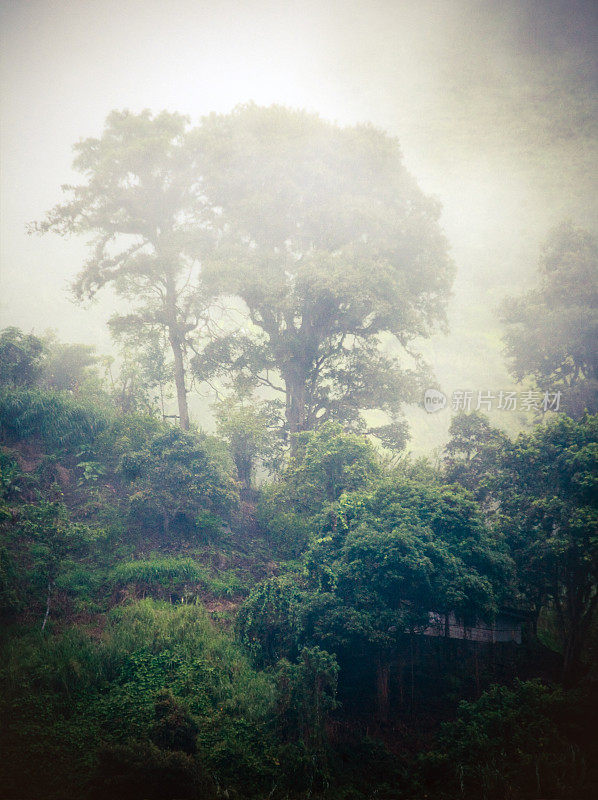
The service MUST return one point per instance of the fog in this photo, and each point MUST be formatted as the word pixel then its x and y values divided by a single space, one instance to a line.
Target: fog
pixel 494 104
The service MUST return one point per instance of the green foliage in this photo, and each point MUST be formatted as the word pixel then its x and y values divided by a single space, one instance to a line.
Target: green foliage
pixel 474 452
pixel 48 736
pixel 21 358
pixel 161 687
pixel 58 419
pixel 9 583
pixel 305 699
pixel 166 571
pixel 53 544
pixel 246 427
pixel 178 484
pixel 157 699
pixel 10 491
pixel 175 575
pixel 331 245
pixel 68 367
pixel 288 532
pixel 142 383
pixel 327 462
pixel 177 647
pixel 549 502
pixel 123 444
pixel 522 742
pixel 82 582
pixel 27 362
pixel 337 258
pixel 307 694
pixel 10 478
pixel 406 549
pixel 268 621
pixel 540 491
pixel 174 727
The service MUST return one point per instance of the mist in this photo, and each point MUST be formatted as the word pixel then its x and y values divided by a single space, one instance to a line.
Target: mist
pixel 494 106
pixel 298 399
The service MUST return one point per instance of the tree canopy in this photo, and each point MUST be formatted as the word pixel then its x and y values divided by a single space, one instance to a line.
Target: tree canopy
pixel 551 331
pixel 334 251
pixel 21 358
pixel 142 202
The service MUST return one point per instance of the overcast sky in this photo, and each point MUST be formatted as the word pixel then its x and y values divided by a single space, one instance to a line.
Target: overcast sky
pixel 494 104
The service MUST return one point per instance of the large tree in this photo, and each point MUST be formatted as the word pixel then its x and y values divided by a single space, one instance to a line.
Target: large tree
pixel 141 199
pixel 552 330
pixel 540 494
pixel 337 255
pixel 549 512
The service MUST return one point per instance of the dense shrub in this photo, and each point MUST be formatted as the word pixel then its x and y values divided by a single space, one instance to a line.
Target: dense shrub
pixel 56 418
pixel 523 742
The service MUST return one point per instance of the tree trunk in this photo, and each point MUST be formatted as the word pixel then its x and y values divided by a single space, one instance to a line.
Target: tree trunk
pixel 295 405
pixel 400 680
pixel 244 465
pixel 382 681
pixel 179 379
pixel 572 652
pixel 412 672
pixel 576 615
pixel 47 614
pixel 176 339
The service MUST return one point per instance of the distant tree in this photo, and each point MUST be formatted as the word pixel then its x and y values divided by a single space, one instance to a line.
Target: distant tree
pixel 27 360
pixel 337 255
pixel 21 358
pixel 143 202
pixel 473 453
pixel 246 426
pixel 552 331
pixel 140 380
pixel 327 462
pixel 128 390
pixel 67 367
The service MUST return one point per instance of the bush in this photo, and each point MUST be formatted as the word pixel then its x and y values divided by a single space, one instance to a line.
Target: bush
pixel 162 694
pixel 523 742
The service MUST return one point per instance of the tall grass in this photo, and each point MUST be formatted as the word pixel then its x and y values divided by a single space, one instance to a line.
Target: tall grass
pixel 175 573
pixel 165 571
pixel 56 417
